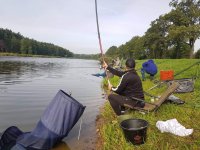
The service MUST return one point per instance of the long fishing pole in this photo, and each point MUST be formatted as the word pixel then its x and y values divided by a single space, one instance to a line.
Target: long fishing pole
pixel 99 37
pixel 160 83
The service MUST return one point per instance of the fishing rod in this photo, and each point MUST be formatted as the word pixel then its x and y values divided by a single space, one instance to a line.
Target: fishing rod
pixel 98 31
pixel 197 63
pixel 99 37
pixel 160 83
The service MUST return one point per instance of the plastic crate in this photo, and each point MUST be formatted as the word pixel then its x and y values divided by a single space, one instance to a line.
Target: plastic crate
pixel 166 75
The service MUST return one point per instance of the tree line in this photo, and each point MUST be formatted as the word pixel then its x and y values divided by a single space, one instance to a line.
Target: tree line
pixel 87 56
pixel 172 35
pixel 11 42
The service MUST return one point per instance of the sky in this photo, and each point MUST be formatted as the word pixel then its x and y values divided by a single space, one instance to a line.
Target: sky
pixel 71 24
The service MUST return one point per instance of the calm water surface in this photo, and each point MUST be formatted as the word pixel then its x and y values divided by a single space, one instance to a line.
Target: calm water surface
pixel 27 85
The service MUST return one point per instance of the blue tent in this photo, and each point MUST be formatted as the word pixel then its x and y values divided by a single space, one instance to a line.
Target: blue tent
pixel 56 122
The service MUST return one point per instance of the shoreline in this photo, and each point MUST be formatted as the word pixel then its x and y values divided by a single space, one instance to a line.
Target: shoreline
pixel 99 121
pixel 28 55
pixel 40 56
pixel 98 124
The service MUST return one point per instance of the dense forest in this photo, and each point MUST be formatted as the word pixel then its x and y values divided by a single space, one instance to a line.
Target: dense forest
pixel 11 42
pixel 87 56
pixel 172 35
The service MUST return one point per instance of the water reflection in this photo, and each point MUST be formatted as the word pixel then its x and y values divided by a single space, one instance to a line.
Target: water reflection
pixel 13 72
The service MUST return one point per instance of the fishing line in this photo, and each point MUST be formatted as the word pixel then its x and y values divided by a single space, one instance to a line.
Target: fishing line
pixel 79 132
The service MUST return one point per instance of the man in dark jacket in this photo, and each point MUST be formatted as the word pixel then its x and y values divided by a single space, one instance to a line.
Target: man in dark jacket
pixel 130 87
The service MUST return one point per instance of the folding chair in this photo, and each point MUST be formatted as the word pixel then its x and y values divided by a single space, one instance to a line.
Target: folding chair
pixel 154 106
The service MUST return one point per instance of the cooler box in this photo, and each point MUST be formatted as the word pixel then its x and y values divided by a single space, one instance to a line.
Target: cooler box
pixel 166 75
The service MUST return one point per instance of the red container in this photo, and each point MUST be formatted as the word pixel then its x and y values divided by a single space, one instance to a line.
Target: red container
pixel 166 75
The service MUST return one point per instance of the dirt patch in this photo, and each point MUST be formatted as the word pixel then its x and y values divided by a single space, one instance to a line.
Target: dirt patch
pixel 99 124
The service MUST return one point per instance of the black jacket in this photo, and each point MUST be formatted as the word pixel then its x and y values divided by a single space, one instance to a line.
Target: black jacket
pixel 130 84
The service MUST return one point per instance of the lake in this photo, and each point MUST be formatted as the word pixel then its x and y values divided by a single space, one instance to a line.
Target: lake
pixel 28 84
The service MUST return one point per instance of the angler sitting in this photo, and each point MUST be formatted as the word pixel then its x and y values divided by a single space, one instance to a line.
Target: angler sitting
pixel 129 86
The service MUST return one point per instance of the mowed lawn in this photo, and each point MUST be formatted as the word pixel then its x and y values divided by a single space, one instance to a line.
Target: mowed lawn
pixel 187 114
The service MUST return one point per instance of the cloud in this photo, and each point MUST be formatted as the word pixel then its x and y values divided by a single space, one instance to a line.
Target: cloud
pixel 72 23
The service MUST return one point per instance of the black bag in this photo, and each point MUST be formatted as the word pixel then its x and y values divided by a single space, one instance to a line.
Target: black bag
pixel 186 85
pixel 175 100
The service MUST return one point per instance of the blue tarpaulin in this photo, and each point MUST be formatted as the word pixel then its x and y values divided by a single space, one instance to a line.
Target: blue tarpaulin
pixel 100 74
pixel 56 122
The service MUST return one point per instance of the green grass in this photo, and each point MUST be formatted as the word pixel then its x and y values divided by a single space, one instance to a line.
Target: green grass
pixel 187 114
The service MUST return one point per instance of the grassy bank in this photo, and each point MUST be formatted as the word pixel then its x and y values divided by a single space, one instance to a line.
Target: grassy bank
pixel 111 136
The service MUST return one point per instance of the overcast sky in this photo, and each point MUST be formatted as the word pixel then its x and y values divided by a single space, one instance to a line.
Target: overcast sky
pixel 72 23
